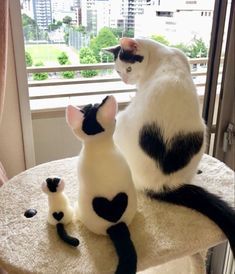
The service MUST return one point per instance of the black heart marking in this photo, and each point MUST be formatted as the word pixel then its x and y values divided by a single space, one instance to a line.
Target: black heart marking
pixel 173 154
pixel 111 210
pixel 58 215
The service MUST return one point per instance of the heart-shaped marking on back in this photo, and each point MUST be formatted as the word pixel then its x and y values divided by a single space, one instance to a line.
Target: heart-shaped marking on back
pixel 113 210
pixel 58 215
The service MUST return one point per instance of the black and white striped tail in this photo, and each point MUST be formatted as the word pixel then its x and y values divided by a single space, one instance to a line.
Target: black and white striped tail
pixel 65 237
pixel 120 236
pixel 208 204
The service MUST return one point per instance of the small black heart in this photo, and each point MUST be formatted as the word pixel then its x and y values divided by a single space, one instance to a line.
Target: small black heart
pixel 111 210
pixel 58 215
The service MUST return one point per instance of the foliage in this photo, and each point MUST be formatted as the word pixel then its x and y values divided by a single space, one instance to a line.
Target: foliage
pixel 183 47
pixel 67 20
pixel 68 74
pixel 55 25
pixel 28 59
pixel 128 33
pixel 161 39
pixel 85 52
pixel 87 57
pixel 104 39
pixel 40 75
pixel 66 38
pixel 30 28
pixel 120 32
pixel 63 58
pixel 198 49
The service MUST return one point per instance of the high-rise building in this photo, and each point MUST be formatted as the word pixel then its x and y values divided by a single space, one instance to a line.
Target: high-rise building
pixel 27 8
pixel 178 21
pixel 131 8
pixel 42 11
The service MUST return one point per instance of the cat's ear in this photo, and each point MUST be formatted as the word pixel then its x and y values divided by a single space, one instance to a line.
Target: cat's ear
pixel 74 117
pixel 129 44
pixel 107 110
pixel 114 50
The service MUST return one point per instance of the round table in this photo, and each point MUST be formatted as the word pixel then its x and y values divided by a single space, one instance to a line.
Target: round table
pixel 161 232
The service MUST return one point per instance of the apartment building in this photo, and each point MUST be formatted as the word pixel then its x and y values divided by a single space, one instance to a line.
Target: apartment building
pixel 42 11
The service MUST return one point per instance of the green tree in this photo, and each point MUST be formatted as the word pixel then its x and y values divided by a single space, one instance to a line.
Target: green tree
pixel 104 39
pixel 40 75
pixel 120 32
pixel 28 59
pixel 198 49
pixel 30 28
pixel 63 58
pixel 161 39
pixel 85 52
pixel 128 33
pixel 183 47
pixel 67 20
pixel 87 57
pixel 55 25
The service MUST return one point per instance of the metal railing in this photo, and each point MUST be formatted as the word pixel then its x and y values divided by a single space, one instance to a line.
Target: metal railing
pixel 110 83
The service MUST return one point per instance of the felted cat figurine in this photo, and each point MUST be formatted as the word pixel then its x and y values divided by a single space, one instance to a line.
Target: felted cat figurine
pixel 60 212
pixel 161 132
pixel 107 197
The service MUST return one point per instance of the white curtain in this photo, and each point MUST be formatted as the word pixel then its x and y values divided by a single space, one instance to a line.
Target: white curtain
pixel 4 17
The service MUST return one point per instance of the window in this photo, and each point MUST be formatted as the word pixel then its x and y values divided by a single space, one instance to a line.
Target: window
pixel 48 96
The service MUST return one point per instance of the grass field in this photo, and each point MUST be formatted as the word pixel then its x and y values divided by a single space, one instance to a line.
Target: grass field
pixel 48 54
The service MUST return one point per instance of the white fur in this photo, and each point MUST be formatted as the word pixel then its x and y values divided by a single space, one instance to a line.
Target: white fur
pixel 166 95
pixel 58 201
pixel 102 171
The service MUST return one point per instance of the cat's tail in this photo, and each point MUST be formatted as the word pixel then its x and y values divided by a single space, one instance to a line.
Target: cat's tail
pixel 120 236
pixel 65 237
pixel 208 204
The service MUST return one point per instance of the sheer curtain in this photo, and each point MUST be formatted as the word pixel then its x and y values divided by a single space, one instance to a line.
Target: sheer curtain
pixel 4 14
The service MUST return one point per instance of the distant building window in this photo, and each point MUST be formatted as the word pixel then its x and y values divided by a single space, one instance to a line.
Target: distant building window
pixel 191 2
pixel 170 23
pixel 164 13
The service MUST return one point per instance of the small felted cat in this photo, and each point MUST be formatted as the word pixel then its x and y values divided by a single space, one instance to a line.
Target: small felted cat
pixel 107 197
pixel 161 132
pixel 60 212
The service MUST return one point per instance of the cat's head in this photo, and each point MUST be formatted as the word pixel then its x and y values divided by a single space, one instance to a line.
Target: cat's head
pixel 93 120
pixel 130 60
pixel 53 185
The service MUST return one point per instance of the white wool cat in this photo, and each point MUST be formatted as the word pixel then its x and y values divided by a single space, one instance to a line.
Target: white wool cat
pixel 102 170
pixel 161 132
pixel 166 97
pixel 107 197
pixel 60 212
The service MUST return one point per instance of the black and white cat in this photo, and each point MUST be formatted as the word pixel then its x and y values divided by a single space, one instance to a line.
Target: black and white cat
pixel 106 198
pixel 161 132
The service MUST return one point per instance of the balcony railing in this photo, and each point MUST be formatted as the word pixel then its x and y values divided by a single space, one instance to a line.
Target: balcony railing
pixel 56 94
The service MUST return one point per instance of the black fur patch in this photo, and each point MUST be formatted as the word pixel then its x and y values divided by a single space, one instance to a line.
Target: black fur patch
pixel 115 52
pixel 208 204
pixel 52 184
pixel 129 57
pixel 90 125
pixel 29 213
pixel 170 155
pixel 65 237
pixel 58 215
pixel 120 236
pixel 110 210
